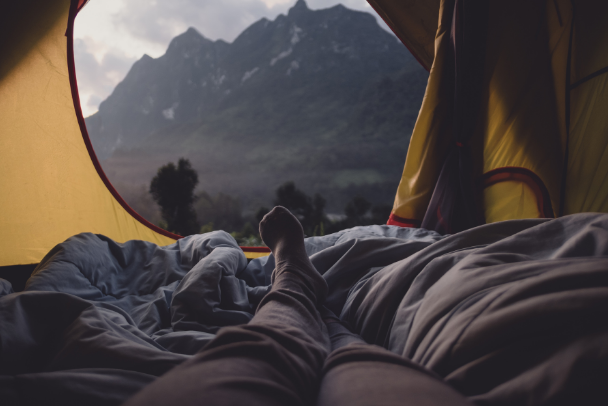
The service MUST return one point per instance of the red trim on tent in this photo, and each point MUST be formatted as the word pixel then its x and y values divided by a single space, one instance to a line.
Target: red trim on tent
pixel 395 220
pixel 80 5
pixel 74 8
pixel 442 222
pixel 428 69
pixel 543 199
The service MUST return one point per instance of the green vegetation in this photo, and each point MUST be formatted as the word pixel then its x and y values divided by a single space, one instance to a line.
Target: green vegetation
pixel 182 211
pixel 309 211
pixel 220 212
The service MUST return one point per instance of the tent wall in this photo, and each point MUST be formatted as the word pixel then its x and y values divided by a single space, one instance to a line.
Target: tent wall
pixel 50 186
pixel 586 175
pixel 432 134
pixel 539 143
pixel 522 123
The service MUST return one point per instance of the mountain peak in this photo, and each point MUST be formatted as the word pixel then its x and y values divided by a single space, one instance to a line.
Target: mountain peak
pixel 298 8
pixel 192 32
pixel 189 40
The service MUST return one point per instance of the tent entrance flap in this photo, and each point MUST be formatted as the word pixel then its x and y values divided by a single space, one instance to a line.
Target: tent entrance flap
pixel 541 75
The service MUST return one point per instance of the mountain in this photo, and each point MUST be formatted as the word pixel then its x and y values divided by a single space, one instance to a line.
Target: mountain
pixel 325 98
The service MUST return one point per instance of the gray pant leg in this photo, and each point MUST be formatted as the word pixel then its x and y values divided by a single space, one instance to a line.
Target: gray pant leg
pixel 367 375
pixel 276 359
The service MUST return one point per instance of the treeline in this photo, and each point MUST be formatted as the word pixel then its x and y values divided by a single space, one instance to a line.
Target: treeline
pixel 185 213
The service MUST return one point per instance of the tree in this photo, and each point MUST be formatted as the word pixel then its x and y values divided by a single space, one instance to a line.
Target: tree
pixel 292 198
pixel 173 189
pixel 318 219
pixel 262 211
pixel 356 210
pixel 381 213
pixel 309 211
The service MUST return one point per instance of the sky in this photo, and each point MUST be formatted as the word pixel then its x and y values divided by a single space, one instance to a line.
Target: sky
pixel 110 35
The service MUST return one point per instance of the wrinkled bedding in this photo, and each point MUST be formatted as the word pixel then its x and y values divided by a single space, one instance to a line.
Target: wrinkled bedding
pixel 508 313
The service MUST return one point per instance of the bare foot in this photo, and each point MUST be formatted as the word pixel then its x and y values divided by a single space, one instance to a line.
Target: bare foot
pixel 283 234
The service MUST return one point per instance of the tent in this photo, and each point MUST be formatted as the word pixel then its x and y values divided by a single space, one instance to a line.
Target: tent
pixel 512 125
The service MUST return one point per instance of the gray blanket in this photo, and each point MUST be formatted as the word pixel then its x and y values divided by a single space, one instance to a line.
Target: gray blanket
pixel 508 313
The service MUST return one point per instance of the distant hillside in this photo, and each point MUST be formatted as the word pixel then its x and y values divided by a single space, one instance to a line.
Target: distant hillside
pixel 325 98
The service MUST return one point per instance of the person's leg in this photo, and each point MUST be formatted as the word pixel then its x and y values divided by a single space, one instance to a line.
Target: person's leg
pixel 338 331
pixel 278 357
pixel 360 374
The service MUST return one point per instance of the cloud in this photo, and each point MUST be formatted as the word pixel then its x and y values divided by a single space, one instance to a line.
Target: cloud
pixel 353 4
pixel 97 78
pixel 159 21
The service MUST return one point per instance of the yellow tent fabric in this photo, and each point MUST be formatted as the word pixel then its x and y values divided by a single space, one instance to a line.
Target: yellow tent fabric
pixel 543 108
pixel 587 176
pixel 50 188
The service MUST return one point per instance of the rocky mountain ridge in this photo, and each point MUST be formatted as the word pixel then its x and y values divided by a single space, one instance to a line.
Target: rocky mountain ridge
pixel 325 98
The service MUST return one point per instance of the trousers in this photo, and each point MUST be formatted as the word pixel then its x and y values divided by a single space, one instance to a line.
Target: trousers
pixel 289 355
